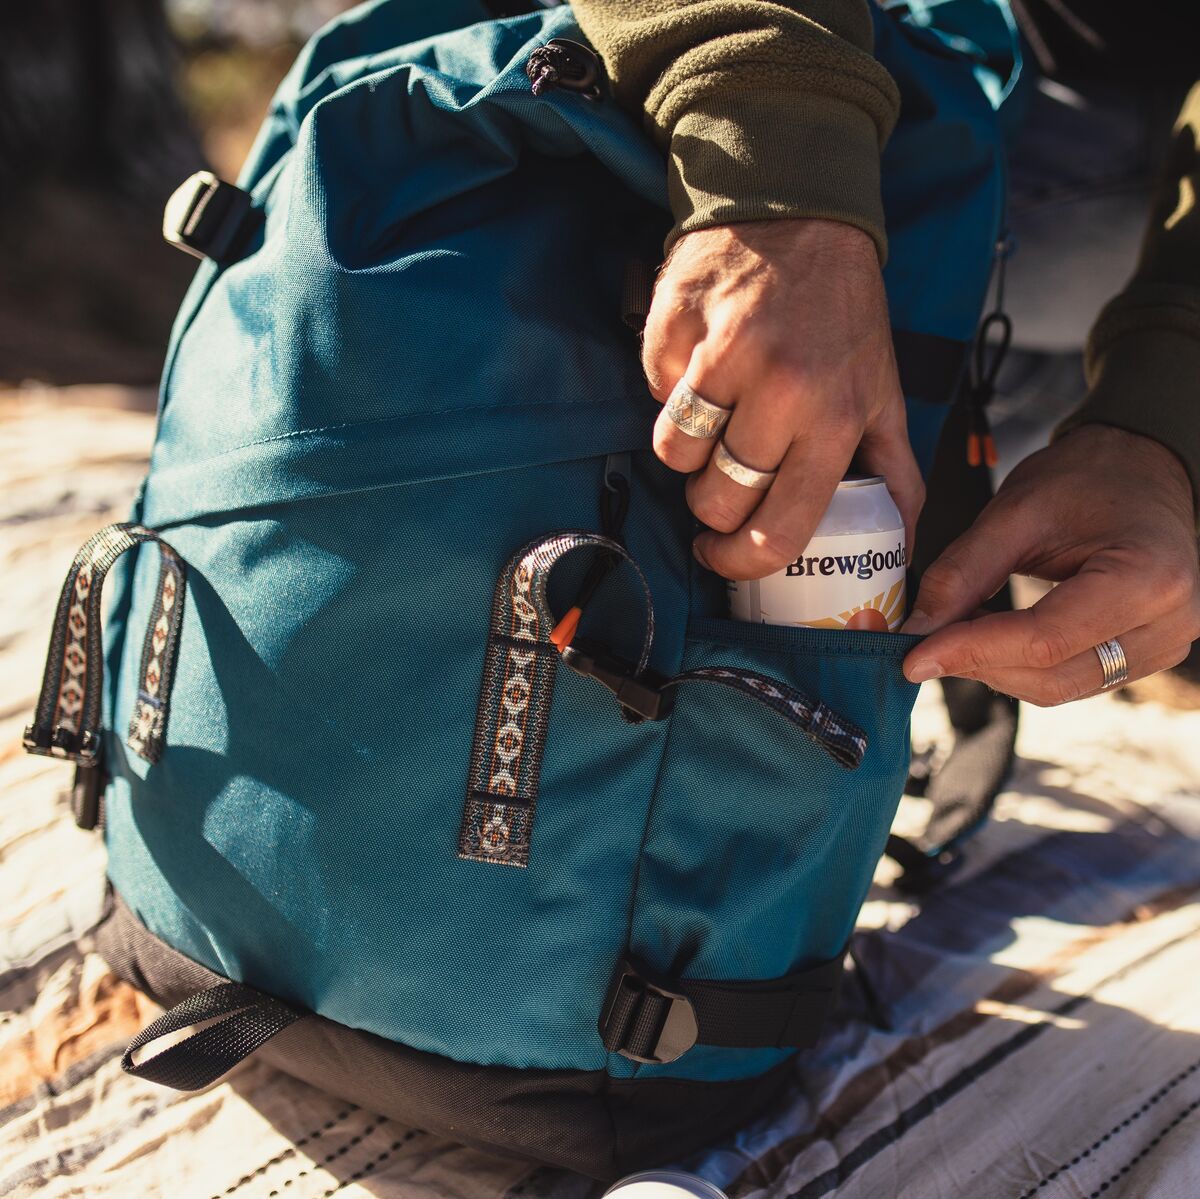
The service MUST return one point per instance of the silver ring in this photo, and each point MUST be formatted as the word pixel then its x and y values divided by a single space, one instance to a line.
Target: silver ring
pixel 739 472
pixel 696 416
pixel 1113 663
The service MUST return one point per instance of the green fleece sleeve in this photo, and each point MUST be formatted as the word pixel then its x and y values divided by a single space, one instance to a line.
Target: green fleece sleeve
pixel 1143 354
pixel 766 108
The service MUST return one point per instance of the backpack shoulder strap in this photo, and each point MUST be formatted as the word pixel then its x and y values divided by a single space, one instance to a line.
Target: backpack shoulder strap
pixel 964 787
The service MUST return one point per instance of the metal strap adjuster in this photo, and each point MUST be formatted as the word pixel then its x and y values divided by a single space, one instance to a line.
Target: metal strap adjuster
pixel 646 1022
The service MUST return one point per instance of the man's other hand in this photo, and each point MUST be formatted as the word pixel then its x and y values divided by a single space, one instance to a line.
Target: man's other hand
pixel 784 322
pixel 1105 514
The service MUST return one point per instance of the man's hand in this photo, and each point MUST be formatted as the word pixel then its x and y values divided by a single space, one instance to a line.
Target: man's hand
pixel 785 322
pixel 1108 516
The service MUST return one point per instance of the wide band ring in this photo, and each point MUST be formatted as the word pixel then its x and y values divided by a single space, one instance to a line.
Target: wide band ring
pixel 1113 663
pixel 696 416
pixel 739 472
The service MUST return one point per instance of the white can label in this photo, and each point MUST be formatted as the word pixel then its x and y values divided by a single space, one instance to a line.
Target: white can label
pixel 832 580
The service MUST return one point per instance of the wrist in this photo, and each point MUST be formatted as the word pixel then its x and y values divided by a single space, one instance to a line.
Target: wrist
pixel 1112 448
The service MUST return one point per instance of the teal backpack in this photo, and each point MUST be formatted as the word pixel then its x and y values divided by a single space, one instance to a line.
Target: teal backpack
pixel 362 815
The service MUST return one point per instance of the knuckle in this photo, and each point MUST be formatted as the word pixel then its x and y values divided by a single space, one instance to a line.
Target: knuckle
pixel 716 512
pixel 773 550
pixel 656 381
pixel 970 659
pixel 783 368
pixel 1049 646
pixel 945 579
pixel 657 369
pixel 670 452
pixel 1176 584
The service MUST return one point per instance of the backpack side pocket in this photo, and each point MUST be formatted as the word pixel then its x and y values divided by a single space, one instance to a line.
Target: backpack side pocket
pixel 760 846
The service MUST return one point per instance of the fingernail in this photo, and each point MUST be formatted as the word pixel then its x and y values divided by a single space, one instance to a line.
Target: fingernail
pixel 699 555
pixel 922 672
pixel 918 622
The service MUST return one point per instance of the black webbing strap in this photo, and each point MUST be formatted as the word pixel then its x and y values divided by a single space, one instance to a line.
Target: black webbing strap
pixel 66 722
pixel 230 1020
pixel 659 1021
pixel 931 368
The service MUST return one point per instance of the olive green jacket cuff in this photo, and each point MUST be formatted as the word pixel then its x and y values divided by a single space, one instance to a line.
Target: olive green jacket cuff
pixel 770 154
pixel 1143 367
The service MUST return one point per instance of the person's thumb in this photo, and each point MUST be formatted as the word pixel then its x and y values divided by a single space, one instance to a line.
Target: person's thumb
pixel 968 573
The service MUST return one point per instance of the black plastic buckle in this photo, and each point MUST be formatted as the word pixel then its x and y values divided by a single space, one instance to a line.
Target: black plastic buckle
pixel 642 696
pixel 209 218
pixel 58 742
pixel 677 1030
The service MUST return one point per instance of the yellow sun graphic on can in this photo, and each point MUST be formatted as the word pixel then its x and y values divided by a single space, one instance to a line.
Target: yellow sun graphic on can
pixel 889 604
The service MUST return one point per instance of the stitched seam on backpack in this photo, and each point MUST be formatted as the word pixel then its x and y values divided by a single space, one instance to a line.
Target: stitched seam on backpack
pixel 295 434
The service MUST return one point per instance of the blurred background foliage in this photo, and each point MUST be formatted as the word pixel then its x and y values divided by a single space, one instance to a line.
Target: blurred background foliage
pixel 105 107
pixel 232 54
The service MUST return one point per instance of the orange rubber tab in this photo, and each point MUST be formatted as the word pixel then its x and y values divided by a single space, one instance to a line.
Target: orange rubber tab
pixel 974 456
pixel 564 632
pixel 989 450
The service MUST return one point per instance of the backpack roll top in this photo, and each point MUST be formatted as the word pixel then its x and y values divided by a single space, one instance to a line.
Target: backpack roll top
pixel 428 202
pixel 578 895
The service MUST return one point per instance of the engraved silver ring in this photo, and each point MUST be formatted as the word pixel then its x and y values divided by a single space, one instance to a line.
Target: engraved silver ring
pixel 696 416
pixel 1113 663
pixel 739 472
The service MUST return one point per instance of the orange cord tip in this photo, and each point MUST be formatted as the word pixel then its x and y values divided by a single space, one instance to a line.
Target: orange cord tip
pixel 974 457
pixel 989 451
pixel 564 632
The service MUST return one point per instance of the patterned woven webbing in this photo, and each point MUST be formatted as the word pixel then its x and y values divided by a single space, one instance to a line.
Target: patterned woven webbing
pixel 512 719
pixel 840 738
pixel 67 718
pixel 514 701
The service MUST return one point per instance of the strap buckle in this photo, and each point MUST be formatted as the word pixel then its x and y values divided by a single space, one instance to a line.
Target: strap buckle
pixel 209 218
pixel 58 741
pixel 646 1022
pixel 643 696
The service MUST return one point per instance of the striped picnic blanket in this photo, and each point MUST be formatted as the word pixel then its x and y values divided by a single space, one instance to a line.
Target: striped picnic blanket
pixel 1037 1030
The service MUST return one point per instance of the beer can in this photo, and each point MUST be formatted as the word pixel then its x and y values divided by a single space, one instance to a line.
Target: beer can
pixel 664 1184
pixel 854 562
